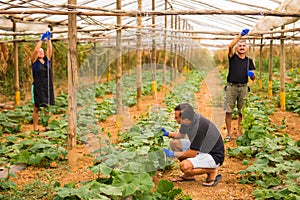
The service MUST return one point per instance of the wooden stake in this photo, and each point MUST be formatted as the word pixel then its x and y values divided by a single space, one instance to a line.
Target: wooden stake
pixel 139 60
pixel 165 51
pixel 72 86
pixel 260 64
pixel 119 62
pixel 270 91
pixel 153 56
pixel 17 85
pixel 282 74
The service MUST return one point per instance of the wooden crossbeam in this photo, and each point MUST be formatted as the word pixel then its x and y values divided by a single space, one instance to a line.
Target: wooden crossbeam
pixel 137 13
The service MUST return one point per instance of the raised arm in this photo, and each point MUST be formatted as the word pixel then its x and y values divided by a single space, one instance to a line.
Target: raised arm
pixel 49 45
pixel 35 52
pixel 34 55
pixel 231 50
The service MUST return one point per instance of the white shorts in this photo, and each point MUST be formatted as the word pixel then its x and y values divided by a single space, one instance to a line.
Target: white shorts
pixel 203 160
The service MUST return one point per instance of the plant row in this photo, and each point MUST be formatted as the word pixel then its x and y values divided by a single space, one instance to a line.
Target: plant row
pixel 276 166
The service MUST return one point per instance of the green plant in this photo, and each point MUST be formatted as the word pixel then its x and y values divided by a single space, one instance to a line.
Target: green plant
pixel 35 190
pixel 276 169
pixel 5 183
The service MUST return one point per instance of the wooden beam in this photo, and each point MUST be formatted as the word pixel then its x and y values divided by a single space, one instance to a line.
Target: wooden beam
pixel 116 26
pixel 140 13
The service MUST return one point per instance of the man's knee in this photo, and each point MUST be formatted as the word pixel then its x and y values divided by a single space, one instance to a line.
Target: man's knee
pixel 186 166
pixel 175 145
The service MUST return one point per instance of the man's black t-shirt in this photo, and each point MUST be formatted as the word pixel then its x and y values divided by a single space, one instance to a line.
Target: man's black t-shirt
pixel 205 138
pixel 238 69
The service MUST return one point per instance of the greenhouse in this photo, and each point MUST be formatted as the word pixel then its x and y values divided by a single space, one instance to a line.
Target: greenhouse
pixel 93 96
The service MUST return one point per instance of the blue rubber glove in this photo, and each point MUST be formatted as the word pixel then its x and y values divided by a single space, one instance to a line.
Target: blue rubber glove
pixel 169 153
pixel 245 32
pixel 44 35
pixel 166 133
pixel 250 74
pixel 48 35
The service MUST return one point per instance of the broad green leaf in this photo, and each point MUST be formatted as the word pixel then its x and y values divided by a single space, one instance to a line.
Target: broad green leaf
pixel 144 181
pixel 164 185
pixel 245 162
pixel 22 157
pixel 36 159
pixel 51 154
pixel 40 146
pixel 125 180
pixel 11 138
pixel 172 194
pixel 271 181
pixel 110 190
pixel 143 150
pixel 26 142
pixel 132 167
pixel 105 170
pixel 296 165
pixel 127 155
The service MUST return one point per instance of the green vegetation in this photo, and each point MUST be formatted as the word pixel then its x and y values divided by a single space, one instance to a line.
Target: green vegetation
pixel 123 169
pixel 276 168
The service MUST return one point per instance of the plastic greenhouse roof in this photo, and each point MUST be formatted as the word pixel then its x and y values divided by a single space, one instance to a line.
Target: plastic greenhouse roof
pixel 214 30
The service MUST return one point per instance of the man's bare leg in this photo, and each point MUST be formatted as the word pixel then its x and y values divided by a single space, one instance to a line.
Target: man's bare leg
pixel 228 118
pixel 189 171
pixel 239 130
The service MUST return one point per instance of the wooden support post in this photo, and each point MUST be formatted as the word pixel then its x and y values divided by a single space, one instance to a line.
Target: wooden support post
pixel 293 54
pixel 72 85
pixel 187 56
pixel 95 64
pixel 119 62
pixel 189 51
pixel 171 54
pixel 260 64
pixel 108 63
pixel 153 61
pixel 131 55
pixel 253 51
pixel 16 77
pixel 282 72
pixel 165 51
pixel 270 91
pixel 139 59
pixel 180 52
pixel 175 51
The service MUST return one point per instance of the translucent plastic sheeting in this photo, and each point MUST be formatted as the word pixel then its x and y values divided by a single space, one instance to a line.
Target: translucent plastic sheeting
pixel 271 22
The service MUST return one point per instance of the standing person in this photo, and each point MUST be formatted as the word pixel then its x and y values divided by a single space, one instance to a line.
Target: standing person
pixel 42 87
pixel 236 89
pixel 202 152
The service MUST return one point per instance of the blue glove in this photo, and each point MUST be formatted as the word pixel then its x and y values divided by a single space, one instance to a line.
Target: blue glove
pixel 245 32
pixel 169 153
pixel 48 35
pixel 166 133
pixel 44 35
pixel 250 74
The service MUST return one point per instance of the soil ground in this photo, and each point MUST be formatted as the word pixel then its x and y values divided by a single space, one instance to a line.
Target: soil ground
pixel 210 105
